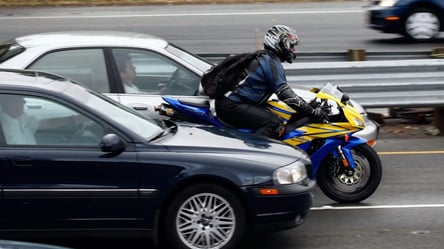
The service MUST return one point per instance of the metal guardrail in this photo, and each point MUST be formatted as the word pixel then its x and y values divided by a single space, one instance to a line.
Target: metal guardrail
pixel 343 56
pixel 373 84
pixel 414 82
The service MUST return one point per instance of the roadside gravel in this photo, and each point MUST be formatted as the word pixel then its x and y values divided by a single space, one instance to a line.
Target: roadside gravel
pixel 402 129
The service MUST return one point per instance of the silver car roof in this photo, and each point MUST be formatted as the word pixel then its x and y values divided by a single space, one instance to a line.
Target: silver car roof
pixel 92 37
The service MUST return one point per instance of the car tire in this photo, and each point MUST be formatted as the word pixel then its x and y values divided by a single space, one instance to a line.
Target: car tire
pixel 205 216
pixel 422 25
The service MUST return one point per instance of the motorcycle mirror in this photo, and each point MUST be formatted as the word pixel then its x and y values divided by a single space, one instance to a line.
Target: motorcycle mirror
pixel 345 98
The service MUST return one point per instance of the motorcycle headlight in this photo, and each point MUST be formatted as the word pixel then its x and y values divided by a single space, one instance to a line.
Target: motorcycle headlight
pixel 290 174
pixel 387 3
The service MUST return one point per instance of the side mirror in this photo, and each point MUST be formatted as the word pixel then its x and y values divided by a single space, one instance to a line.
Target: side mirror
pixel 345 98
pixel 112 143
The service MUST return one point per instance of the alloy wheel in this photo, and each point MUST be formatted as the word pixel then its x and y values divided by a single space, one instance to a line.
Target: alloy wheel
pixel 205 221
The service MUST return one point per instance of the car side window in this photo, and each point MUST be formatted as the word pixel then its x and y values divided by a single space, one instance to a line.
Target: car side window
pixel 2 136
pixel 148 72
pixel 86 66
pixel 30 120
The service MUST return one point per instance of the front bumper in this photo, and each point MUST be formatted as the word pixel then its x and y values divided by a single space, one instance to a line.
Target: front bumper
pixel 284 211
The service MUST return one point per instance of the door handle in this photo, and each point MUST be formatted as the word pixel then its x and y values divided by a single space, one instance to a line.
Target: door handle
pixel 140 108
pixel 21 162
pixel 34 106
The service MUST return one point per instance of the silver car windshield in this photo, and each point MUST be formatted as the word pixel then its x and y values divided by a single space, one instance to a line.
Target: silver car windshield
pixel 123 115
pixel 200 63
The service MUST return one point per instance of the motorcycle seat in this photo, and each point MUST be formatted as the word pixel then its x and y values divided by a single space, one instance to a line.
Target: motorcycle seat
pixel 196 102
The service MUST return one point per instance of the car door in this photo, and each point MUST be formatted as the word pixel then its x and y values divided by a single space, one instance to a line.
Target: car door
pixel 62 179
pixel 84 65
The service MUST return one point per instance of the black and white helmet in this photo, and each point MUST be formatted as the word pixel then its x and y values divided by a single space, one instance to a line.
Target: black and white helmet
pixel 281 40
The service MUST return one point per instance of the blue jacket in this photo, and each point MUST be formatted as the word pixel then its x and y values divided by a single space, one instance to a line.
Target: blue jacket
pixel 266 76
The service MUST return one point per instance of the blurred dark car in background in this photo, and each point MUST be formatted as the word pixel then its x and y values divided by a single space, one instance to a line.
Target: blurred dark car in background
pixel 88 165
pixel 419 20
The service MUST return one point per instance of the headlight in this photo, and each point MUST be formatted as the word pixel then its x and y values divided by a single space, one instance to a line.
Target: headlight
pixel 387 3
pixel 293 173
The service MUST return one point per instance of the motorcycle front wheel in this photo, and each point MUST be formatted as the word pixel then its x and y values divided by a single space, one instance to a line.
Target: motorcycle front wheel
pixel 340 187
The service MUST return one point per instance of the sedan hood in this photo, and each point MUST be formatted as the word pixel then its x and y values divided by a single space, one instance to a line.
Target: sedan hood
pixel 231 142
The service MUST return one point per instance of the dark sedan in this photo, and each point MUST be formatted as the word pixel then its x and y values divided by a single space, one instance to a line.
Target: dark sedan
pixel 75 162
pixel 417 19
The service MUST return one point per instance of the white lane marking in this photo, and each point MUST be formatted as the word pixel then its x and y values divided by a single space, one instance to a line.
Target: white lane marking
pixel 186 14
pixel 411 152
pixel 328 207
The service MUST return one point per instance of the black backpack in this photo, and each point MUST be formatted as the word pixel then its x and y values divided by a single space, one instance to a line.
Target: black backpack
pixel 222 77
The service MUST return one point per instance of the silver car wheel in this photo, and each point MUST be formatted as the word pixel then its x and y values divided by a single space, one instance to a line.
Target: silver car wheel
pixel 422 25
pixel 205 221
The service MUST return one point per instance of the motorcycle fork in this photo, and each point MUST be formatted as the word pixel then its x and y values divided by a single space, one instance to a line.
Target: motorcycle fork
pixel 346 160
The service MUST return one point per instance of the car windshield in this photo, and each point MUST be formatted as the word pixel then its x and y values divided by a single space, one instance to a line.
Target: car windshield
pixel 144 126
pixel 198 62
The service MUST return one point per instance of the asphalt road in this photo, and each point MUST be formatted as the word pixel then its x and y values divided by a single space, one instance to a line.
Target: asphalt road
pixel 324 27
pixel 405 212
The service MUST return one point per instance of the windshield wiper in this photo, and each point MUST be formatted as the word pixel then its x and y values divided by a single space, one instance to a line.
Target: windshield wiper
pixel 168 127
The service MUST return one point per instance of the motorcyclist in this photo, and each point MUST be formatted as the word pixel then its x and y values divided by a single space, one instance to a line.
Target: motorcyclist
pixel 243 106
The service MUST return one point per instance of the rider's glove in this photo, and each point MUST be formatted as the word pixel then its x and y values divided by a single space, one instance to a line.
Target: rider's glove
pixel 297 103
pixel 319 115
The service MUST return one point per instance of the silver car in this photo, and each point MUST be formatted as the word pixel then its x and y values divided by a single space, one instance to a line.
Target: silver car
pixel 89 57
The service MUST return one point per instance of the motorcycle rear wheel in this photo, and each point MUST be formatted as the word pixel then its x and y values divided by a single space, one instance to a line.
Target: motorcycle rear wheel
pixel 356 188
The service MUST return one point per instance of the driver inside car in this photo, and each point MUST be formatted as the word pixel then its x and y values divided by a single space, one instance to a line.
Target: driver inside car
pixel 19 127
pixel 127 72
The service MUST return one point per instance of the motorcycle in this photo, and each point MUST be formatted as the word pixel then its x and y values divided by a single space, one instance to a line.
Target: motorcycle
pixel 347 169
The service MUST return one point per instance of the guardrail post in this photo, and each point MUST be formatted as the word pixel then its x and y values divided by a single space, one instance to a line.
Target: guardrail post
pixel 439 119
pixel 437 53
pixel 356 55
